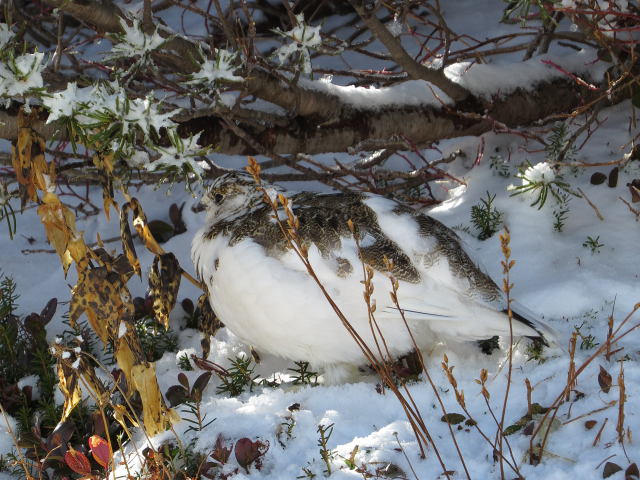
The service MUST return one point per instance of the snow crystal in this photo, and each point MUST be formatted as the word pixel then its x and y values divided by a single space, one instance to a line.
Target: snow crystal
pixel 178 156
pixel 24 73
pixel 66 355
pixel 139 159
pixel 144 113
pixel 64 103
pixel 221 68
pixel 135 42
pixel 395 27
pixel 303 37
pixel 76 363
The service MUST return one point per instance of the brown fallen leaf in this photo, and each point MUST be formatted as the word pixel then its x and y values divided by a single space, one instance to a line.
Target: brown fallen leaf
pixel 604 380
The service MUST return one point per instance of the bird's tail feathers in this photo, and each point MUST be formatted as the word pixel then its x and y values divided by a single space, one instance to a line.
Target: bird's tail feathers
pixel 522 314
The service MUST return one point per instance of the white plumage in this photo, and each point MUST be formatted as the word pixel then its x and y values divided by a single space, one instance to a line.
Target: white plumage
pixel 262 292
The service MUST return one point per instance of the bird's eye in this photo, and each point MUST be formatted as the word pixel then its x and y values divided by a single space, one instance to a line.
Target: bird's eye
pixel 218 198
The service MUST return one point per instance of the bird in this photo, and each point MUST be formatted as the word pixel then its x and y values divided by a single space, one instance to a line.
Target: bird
pixel 262 291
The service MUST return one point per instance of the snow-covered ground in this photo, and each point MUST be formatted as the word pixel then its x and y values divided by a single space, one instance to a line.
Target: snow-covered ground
pixel 571 285
pixel 555 275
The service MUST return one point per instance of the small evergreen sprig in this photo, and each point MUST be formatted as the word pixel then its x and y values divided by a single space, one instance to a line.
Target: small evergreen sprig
pixel 155 340
pixel 486 218
pixel 593 244
pixel 326 453
pixel 6 210
pixel 303 375
pixel 237 377
pixel 561 212
pixel 558 147
pixel 184 363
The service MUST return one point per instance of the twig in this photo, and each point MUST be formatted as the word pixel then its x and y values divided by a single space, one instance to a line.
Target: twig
pixel 597 439
pixel 635 211
pixel 395 434
pixel 591 204
pixel 597 410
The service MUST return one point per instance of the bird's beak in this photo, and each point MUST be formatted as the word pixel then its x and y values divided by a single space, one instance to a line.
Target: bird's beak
pixel 198 207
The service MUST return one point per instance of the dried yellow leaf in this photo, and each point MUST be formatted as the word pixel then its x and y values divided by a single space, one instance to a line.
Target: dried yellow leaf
pixel 122 416
pixel 104 163
pixel 141 225
pixel 154 410
pixel 70 388
pixel 60 226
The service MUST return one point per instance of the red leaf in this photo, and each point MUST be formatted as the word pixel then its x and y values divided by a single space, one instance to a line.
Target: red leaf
pixel 246 452
pixel 77 462
pixel 100 450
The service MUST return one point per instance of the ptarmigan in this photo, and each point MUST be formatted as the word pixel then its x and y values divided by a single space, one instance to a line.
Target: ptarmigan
pixel 263 293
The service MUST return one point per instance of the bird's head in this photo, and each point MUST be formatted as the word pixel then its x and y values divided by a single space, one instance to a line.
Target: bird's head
pixel 231 195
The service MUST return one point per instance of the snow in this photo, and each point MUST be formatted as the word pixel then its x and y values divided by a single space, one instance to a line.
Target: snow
pixel 411 92
pixel 489 79
pixel 554 276
pixel 22 74
pixel 134 42
pixel 221 68
pixel 30 381
pixel 5 34
pixel 183 152
pixel 539 173
pixel 302 38
pixel 482 79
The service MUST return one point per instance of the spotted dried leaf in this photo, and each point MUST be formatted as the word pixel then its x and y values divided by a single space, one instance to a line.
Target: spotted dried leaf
pixel 27 157
pixel 127 241
pixel 164 283
pixel 208 323
pixel 104 297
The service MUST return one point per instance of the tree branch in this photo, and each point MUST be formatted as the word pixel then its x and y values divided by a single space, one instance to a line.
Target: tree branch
pixel 403 59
